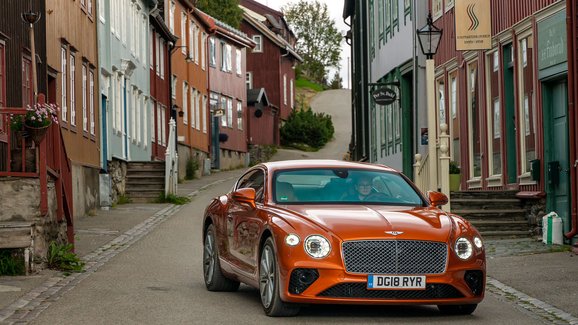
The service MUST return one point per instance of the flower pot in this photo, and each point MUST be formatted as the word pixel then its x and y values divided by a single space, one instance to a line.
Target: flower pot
pixel 455 180
pixel 36 134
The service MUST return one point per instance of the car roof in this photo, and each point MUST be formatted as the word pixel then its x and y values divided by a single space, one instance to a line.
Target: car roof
pixel 323 163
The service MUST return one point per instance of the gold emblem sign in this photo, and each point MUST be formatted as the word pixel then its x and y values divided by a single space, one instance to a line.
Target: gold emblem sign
pixel 473 25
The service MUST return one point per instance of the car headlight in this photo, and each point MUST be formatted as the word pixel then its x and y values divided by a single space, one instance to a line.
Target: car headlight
pixel 317 246
pixel 292 240
pixel 463 248
pixel 478 242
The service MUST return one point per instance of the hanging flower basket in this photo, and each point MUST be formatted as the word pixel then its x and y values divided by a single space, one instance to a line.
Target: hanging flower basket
pixel 36 134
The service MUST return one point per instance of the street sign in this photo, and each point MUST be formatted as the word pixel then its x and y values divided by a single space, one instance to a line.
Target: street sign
pixel 384 96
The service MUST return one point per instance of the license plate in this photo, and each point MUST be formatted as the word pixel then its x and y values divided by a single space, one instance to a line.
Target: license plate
pixel 375 281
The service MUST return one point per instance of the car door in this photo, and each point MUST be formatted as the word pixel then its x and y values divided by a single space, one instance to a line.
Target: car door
pixel 244 224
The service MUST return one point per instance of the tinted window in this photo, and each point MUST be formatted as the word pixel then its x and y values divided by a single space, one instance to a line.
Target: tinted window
pixel 255 180
pixel 352 186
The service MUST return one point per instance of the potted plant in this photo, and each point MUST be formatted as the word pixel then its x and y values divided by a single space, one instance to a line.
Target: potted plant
pixel 455 177
pixel 36 120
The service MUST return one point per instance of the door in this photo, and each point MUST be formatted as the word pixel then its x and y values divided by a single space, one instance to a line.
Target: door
pixel 104 133
pixel 557 165
pixel 510 118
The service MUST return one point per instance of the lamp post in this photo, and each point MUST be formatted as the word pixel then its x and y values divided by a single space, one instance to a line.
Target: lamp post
pixel 31 18
pixel 429 38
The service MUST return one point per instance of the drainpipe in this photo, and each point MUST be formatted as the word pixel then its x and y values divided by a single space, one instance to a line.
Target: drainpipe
pixel 572 116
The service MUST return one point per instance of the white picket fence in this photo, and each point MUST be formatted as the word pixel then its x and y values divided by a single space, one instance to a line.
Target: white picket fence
pixel 171 161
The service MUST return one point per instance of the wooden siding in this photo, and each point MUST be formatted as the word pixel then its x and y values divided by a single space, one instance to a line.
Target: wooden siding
pixel 262 128
pixel 16 37
pixel 159 89
pixel 68 25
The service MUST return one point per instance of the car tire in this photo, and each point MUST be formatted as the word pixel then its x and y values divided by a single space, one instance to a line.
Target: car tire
pixel 457 309
pixel 269 284
pixel 214 278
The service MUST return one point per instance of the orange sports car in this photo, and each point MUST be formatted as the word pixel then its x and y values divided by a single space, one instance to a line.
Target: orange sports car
pixel 335 232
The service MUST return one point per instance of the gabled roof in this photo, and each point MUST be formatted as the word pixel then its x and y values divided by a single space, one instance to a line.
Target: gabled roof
pixel 253 19
pixel 257 95
pixel 225 30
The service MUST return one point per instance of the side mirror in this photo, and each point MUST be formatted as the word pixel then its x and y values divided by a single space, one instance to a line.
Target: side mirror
pixel 245 195
pixel 437 199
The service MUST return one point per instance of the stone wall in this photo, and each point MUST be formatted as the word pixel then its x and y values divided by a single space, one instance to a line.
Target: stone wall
pixel 117 170
pixel 535 210
pixel 185 153
pixel 85 186
pixel 233 159
pixel 260 153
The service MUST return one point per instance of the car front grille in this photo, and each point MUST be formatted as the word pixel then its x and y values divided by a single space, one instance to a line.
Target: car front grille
pixel 359 290
pixel 395 257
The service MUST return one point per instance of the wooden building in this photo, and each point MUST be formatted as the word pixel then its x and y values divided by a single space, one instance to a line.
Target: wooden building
pixel 73 83
pixel 270 65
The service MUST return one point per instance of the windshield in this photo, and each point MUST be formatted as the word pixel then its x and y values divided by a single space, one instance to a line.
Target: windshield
pixel 349 186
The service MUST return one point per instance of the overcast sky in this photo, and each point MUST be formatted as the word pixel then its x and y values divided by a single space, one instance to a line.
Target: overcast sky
pixel 335 8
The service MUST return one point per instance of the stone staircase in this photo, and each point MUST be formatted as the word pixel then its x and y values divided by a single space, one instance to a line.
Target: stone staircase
pixel 145 180
pixel 496 214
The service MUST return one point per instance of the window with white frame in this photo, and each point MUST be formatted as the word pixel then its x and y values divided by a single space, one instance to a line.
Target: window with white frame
pixel 258 39
pixel 89 7
pixel 138 117
pixel 193 107
pixel 285 89
pixel 291 95
pixel 101 12
pixel 72 89
pixel 238 60
pixel 230 112
pixel 449 4
pixel 475 146
pixel 162 59
pixel 226 53
pixel 204 114
pixel 145 122
pixel 493 115
pixel 191 41
pixel 132 116
pixel 224 108
pixel 164 124
pixel 239 115
pixel 495 61
pixel 198 109
pixel 212 52
pixel 528 116
pixel 172 17
pixel 91 104
pixel 185 106
pixel 174 87
pixel 158 54
pixel 183 33
pixel 63 85
pixel 196 45
pixel 144 41
pixel 84 93
pixel 154 120
pixel 151 47
pixel 438 7
pixel 203 47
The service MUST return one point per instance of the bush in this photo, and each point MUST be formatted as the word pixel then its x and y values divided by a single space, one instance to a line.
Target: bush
pixel 61 257
pixel 454 169
pixel 11 262
pixel 173 199
pixel 307 127
pixel 192 167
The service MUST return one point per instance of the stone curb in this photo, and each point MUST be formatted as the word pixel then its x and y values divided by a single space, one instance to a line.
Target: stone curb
pixel 541 309
pixel 39 299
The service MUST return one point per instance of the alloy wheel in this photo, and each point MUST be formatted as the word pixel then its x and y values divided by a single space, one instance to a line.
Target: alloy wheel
pixel 267 276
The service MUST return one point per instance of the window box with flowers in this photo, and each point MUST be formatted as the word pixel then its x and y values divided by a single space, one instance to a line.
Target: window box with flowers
pixel 36 121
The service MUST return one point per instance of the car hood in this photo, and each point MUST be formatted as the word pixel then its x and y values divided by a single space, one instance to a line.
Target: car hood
pixel 352 222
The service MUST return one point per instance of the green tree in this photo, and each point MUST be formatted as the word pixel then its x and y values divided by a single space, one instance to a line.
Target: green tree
pixel 318 40
pixel 336 82
pixel 227 11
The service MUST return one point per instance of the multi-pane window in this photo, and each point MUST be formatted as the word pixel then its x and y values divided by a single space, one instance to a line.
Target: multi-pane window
pixel 72 90
pixel 437 8
pixel 249 80
pixel 174 87
pixel 224 109
pixel 145 121
pixel 132 116
pixel 493 114
pixel 198 109
pixel 196 43
pixel 158 55
pixel 527 111
pixel 193 107
pixel 172 17
pixel 239 115
pixel 63 85
pixel 27 92
pixel 238 62
pixel 285 89
pixel 84 99
pixel 230 112
pixel 204 114
pixel 162 59
pixel 91 103
pixel 226 54
pixel 474 122
pixel 138 117
pixel 212 52
pixel 203 42
pixel 185 105
pixel 258 39
pixel 191 41
pixel 183 33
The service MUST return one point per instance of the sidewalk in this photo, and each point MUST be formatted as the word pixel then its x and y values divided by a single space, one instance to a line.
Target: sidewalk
pixel 93 234
pixel 536 277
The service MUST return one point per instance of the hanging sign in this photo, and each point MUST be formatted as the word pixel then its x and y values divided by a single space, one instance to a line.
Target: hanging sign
pixel 473 25
pixel 384 96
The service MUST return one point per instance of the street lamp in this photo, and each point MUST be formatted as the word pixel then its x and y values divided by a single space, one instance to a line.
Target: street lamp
pixel 429 38
pixel 32 18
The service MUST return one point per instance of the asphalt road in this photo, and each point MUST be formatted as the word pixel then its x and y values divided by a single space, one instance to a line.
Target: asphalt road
pixel 158 280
